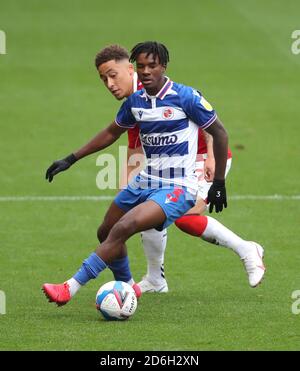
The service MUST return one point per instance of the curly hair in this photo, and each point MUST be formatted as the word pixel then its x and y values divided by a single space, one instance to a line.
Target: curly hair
pixel 109 53
pixel 151 47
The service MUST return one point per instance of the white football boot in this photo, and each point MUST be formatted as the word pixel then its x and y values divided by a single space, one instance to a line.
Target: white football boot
pixel 147 286
pixel 254 265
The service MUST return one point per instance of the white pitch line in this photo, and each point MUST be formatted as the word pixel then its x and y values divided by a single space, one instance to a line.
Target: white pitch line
pixel 109 198
pixel 265 197
pixel 54 198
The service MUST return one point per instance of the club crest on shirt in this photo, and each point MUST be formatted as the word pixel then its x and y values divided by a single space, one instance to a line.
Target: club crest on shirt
pixel 168 113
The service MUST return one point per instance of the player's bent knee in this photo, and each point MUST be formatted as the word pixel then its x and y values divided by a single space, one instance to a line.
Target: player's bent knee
pixel 199 208
pixel 102 233
pixel 124 229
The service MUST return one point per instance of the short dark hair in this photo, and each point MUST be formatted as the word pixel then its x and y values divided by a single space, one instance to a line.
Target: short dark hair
pixel 109 53
pixel 151 47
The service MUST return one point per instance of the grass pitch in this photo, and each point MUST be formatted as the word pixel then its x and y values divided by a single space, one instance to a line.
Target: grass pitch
pixel 239 55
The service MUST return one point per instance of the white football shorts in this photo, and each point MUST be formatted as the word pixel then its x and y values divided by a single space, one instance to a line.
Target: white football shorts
pixel 203 185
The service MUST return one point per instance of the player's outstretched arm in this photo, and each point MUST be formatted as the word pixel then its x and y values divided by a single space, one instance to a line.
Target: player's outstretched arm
pixel 102 140
pixel 217 192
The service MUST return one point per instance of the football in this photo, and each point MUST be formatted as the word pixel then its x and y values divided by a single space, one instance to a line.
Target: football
pixel 116 300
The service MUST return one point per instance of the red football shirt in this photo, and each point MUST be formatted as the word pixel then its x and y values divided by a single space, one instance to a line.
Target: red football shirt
pixel 134 134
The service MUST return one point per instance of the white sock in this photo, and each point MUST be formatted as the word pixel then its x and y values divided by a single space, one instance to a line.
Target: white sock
pixel 74 286
pixel 130 282
pixel 218 234
pixel 154 243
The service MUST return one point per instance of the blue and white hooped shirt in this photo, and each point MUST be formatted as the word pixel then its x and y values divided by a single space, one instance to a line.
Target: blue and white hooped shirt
pixel 169 123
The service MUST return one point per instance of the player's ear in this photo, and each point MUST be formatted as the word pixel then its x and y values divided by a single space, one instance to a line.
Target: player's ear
pixel 131 69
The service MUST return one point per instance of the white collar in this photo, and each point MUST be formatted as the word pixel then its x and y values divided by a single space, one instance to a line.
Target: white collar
pixel 163 91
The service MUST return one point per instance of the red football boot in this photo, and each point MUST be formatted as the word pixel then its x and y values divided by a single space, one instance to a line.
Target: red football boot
pixel 59 294
pixel 137 290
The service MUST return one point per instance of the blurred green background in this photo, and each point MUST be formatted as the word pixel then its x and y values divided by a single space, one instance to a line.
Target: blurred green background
pixel 52 101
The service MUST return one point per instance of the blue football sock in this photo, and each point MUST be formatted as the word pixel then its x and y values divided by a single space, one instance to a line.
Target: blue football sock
pixel 120 269
pixel 90 269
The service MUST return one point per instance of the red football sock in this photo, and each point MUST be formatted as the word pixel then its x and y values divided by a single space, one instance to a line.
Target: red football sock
pixel 192 224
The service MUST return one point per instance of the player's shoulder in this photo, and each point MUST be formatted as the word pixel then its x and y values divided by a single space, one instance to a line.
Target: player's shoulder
pixel 187 95
pixel 135 96
pixel 185 90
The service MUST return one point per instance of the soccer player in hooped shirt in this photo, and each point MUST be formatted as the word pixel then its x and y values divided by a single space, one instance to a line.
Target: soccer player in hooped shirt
pixel 167 188
pixel 119 77
pixel 193 223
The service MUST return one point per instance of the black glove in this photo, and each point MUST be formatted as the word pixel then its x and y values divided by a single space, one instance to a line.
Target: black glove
pixel 217 196
pixel 59 166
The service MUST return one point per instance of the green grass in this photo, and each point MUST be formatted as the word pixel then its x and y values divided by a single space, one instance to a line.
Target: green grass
pixel 209 306
pixel 238 54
